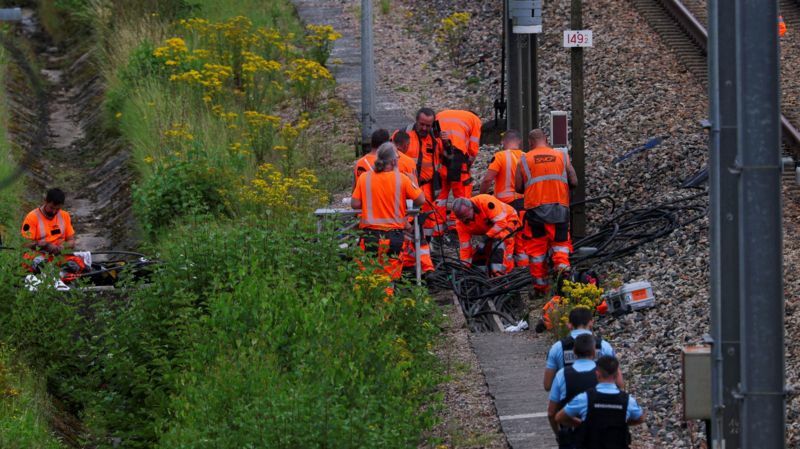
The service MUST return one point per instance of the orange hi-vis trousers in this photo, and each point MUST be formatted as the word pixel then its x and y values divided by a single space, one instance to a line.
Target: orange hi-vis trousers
pixel 545 238
pixel 434 224
pixel 500 254
pixel 460 189
pixel 387 246
pixel 407 254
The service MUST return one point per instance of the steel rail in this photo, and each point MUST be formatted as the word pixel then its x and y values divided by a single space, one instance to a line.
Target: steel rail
pixel 695 31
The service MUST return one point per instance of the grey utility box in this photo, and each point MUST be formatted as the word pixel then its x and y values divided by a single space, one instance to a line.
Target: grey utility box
pixel 696 361
pixel 526 16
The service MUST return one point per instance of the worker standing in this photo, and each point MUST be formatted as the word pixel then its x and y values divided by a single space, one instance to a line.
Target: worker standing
pixel 461 135
pixel 407 166
pixel 604 412
pixel 367 162
pixel 562 353
pixel 485 215
pixel 502 171
pixel 781 26
pixel 545 177
pixel 569 382
pixel 424 148
pixel 381 196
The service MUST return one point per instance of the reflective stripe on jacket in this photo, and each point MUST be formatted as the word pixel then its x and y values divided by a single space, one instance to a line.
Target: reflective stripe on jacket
pixel 463 128
pixel 492 218
pixel 544 173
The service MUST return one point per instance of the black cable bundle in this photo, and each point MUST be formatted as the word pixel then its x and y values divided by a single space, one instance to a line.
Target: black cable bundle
pixel 620 235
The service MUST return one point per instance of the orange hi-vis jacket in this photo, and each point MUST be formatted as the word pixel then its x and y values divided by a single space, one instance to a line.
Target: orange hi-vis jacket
pixel 383 199
pixel 505 164
pixel 408 167
pixel 38 228
pixel 781 26
pixel 430 148
pixel 463 128
pixel 365 164
pixel 492 218
pixel 544 172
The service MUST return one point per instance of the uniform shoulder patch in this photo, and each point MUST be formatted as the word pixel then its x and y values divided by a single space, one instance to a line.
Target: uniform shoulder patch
pixel 491 205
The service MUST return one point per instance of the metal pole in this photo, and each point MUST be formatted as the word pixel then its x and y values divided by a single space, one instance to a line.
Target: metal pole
pixel 367 75
pixel 523 98
pixel 724 197
pixel 417 256
pixel 762 415
pixel 578 151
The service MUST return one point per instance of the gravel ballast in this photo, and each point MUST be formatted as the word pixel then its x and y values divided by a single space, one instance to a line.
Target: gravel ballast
pixel 636 89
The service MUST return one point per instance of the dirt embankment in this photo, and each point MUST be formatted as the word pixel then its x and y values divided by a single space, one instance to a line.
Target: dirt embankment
pixel 79 154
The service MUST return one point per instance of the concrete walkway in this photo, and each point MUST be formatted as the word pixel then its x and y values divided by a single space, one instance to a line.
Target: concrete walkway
pixel 347 50
pixel 513 365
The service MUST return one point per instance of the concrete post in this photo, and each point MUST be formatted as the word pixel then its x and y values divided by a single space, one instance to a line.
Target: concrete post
pixel 367 76
pixel 578 227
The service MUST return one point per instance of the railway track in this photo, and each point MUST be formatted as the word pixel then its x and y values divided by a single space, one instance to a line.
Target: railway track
pixel 688 37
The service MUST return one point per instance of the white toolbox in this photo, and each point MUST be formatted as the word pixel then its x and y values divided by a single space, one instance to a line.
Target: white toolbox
pixel 629 297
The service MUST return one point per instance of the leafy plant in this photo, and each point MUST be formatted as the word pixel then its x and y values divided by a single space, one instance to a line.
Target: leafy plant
pixel 574 294
pixel 452 33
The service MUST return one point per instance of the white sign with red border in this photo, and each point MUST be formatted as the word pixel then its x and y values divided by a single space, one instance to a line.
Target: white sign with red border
pixel 577 38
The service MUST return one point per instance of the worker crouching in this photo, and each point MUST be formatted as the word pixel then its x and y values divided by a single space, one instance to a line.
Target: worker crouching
pixel 381 196
pixel 544 177
pixel 485 215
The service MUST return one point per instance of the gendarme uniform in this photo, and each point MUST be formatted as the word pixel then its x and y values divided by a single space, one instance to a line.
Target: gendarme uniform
pixel 569 382
pixel 604 411
pixel 561 354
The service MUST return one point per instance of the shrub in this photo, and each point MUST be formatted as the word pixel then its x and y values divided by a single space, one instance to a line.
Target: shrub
pixel 178 188
pixel 452 34
pixel 574 294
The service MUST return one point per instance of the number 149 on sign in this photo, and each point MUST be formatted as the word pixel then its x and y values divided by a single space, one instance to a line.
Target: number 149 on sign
pixel 577 38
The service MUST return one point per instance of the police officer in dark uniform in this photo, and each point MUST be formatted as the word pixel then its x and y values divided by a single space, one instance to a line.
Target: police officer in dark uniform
pixel 570 381
pixel 604 412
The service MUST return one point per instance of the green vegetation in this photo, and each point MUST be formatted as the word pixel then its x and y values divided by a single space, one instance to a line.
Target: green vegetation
pixel 255 331
pixel 23 405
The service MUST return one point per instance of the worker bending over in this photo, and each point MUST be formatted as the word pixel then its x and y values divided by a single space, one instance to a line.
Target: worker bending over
pixel 545 177
pixel 485 215
pixel 407 166
pixel 562 353
pixel 461 135
pixel 425 149
pixel 603 413
pixel 381 196
pixel 48 230
pixel 569 382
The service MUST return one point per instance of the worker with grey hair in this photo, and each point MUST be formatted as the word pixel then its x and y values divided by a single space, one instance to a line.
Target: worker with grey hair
pixel 497 222
pixel 381 196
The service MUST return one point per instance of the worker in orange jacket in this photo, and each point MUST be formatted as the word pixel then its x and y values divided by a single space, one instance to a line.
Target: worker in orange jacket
pixel 502 172
pixel 367 162
pixel 485 215
pixel 461 135
pixel 49 232
pixel 407 166
pixel 424 148
pixel 545 177
pixel 781 26
pixel 381 196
